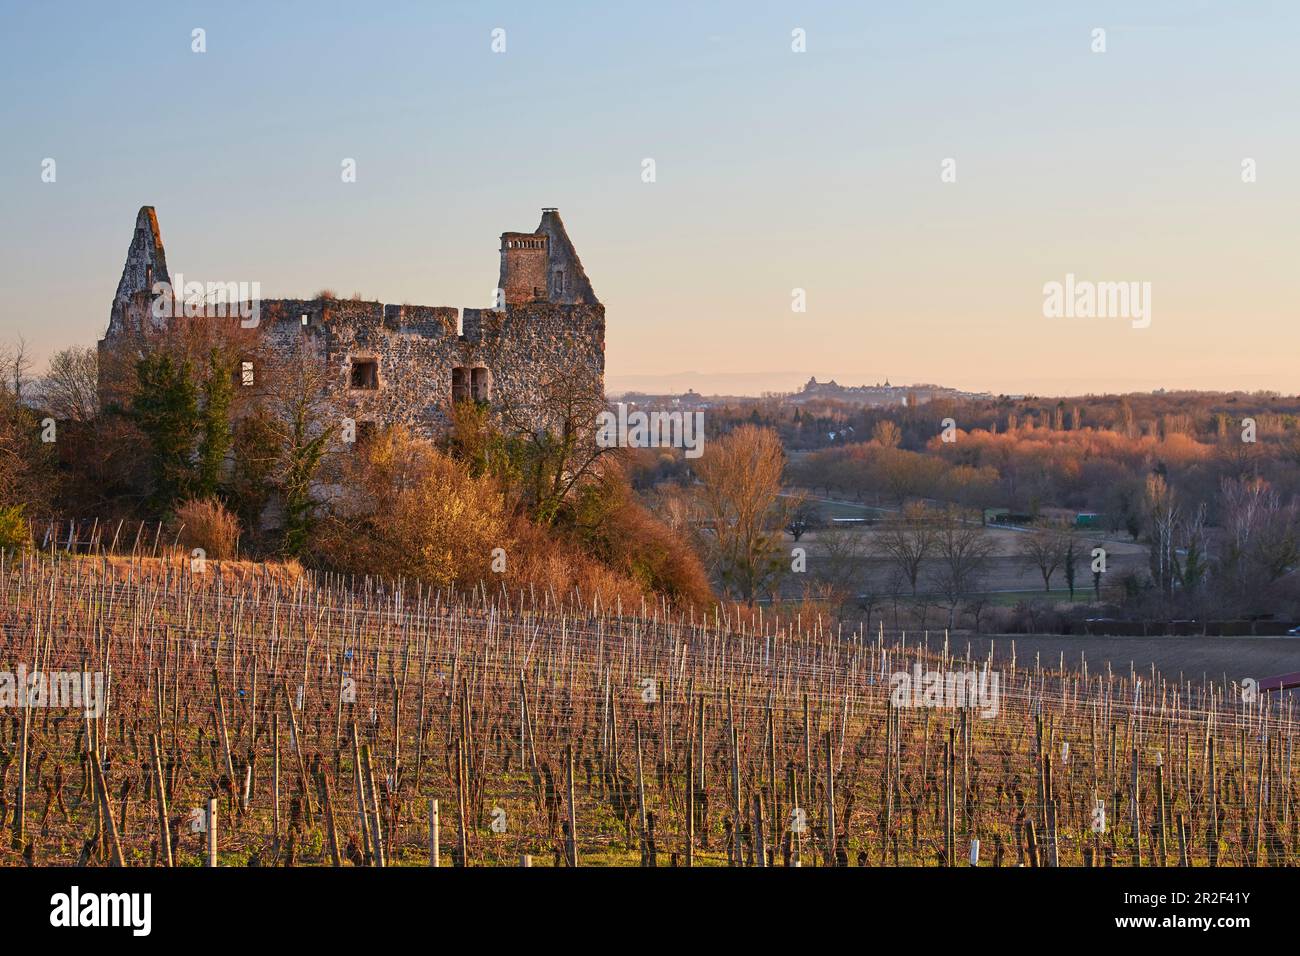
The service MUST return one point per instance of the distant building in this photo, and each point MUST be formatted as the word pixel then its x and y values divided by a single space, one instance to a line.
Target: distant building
pixel 877 395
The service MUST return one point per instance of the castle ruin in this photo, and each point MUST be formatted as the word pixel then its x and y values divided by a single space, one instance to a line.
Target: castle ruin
pixel 404 364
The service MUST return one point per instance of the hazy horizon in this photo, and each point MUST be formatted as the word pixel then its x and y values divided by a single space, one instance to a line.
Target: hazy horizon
pixel 776 171
pixel 756 384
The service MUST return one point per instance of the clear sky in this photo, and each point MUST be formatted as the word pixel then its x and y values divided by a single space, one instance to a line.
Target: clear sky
pixel 775 170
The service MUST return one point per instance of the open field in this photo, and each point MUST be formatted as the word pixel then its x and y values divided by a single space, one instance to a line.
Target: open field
pixel 324 719
pixel 1005 578
pixel 1210 658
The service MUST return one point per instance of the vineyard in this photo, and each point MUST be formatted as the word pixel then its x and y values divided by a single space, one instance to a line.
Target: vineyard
pixel 302 720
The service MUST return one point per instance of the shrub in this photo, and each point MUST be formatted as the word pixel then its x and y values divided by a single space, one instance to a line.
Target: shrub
pixel 206 523
pixel 409 510
pixel 623 534
pixel 444 528
pixel 542 562
pixel 13 528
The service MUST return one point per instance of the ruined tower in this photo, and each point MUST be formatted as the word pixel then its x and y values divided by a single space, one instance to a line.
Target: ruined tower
pixel 146 263
pixel 543 266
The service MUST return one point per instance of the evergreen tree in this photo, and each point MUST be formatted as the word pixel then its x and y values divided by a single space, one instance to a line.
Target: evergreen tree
pixel 301 462
pixel 215 436
pixel 1071 555
pixel 166 409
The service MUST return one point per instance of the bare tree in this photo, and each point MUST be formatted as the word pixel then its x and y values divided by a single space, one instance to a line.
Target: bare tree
pixel 963 550
pixel 556 428
pixel 886 434
pixel 15 363
pixel 1043 550
pixel 1263 534
pixel 804 517
pixel 675 507
pixel 907 541
pixel 844 552
pixel 27 476
pixel 1162 524
pixel 739 501
pixel 975 488
pixel 895 582
pixel 1277 548
pixel 70 389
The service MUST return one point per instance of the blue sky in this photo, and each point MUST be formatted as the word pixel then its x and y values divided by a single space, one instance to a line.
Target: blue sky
pixel 775 171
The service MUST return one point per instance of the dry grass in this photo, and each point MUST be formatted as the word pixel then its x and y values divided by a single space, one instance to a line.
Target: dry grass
pixel 207 524
pixel 238 574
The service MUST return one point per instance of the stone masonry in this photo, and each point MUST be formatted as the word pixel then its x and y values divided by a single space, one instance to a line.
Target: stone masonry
pixel 407 364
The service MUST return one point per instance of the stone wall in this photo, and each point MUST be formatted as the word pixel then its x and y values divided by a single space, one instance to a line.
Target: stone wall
pixel 415 349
